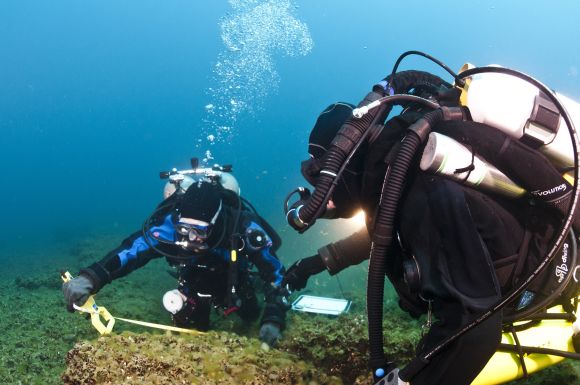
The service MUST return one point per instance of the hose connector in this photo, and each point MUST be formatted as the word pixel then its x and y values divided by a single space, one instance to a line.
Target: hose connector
pixel 294 220
pixel 363 110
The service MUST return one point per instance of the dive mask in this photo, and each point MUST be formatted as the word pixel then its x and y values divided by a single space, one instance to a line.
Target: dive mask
pixel 192 237
pixel 193 232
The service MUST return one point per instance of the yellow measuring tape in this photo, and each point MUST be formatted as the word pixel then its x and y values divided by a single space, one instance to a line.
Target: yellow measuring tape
pixel 97 312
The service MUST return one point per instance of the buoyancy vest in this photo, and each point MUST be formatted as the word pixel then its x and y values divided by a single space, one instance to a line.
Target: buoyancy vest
pixel 538 217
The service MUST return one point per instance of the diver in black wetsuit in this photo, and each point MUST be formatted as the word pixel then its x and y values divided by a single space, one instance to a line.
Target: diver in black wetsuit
pixel 197 231
pixel 456 250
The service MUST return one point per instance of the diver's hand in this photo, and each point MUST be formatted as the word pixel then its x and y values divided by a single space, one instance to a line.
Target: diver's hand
pixel 77 291
pixel 277 295
pixel 297 275
pixel 270 333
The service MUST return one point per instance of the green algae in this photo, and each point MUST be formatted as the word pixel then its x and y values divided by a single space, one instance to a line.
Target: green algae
pixel 213 358
pixel 33 348
pixel 340 346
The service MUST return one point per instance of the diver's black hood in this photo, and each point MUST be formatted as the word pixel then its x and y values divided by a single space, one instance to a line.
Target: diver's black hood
pixel 201 201
pixel 204 201
pixel 346 195
pixel 327 125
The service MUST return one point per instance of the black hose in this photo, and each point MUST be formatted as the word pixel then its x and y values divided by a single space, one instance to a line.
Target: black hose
pixel 534 319
pixel 536 350
pixel 343 148
pixel 383 231
pixel 458 79
pixel 532 313
pixel 349 135
pixel 381 243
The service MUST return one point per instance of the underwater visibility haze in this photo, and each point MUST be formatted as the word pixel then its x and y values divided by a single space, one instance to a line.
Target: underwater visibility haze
pixel 98 97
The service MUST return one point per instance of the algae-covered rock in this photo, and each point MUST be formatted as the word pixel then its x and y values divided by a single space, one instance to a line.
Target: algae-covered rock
pixel 340 345
pixel 213 358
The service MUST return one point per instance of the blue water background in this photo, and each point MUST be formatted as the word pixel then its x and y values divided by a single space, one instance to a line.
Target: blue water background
pixel 97 97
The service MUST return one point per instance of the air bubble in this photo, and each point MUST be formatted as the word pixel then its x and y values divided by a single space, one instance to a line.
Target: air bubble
pixel 255 34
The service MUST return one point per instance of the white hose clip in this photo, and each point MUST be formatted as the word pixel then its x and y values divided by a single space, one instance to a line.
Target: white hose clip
pixel 362 111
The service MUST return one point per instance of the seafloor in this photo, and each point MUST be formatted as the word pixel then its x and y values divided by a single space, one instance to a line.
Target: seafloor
pixel 43 344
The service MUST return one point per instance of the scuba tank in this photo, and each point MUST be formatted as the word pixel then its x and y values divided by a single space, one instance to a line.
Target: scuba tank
pixel 180 180
pixel 520 110
pixel 446 156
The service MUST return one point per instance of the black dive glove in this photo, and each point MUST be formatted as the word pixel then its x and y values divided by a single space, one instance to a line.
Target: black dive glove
pixel 77 291
pixel 297 275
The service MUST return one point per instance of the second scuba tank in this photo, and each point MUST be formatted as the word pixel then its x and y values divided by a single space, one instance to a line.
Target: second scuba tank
pixel 182 179
pixel 520 110
pixel 446 156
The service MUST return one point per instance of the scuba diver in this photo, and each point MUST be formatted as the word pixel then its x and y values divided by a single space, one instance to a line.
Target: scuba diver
pixel 214 237
pixel 468 211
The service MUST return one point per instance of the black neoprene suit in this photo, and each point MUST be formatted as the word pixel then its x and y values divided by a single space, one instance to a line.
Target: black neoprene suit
pixel 460 237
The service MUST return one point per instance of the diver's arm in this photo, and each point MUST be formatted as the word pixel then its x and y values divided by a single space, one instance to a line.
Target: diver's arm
pixel 272 271
pixel 333 257
pixel 133 253
pixel 346 252
pixel 270 268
